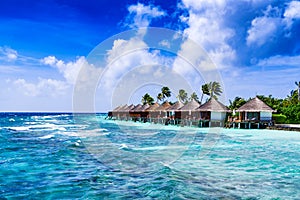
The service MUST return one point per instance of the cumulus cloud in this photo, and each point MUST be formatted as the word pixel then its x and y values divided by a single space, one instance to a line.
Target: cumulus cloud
pixel 293 10
pixel 203 5
pixel 69 70
pixel 292 13
pixel 8 54
pixel 292 61
pixel 49 60
pixel 49 87
pixel 206 27
pixel 126 55
pixel 141 15
pixel 262 29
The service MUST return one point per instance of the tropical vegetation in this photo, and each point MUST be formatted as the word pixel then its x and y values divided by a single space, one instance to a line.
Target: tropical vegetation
pixel 147 99
pixel 287 109
pixel 182 96
pixel 212 89
pixel 165 93
pixel 194 97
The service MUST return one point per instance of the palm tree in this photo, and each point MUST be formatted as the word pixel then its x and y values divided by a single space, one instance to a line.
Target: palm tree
pixel 166 92
pixel 236 103
pixel 214 89
pixel 205 90
pixel 298 85
pixel 160 97
pixel 194 96
pixel 182 96
pixel 147 99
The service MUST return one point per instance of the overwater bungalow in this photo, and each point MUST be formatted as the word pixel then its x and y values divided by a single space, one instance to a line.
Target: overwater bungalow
pixel 151 111
pixel 161 111
pixel 124 112
pixel 212 113
pixel 134 112
pixel 115 113
pixel 187 113
pixel 171 112
pixel 254 113
pixel 139 113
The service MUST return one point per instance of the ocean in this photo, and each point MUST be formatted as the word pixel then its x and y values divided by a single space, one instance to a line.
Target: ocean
pixel 85 156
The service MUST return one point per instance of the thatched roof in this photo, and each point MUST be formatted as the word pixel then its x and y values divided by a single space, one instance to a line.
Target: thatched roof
pixel 176 106
pixel 153 107
pixel 128 108
pixel 137 108
pixel 192 105
pixel 120 108
pixel 163 106
pixel 255 105
pixel 117 108
pixel 144 107
pixel 213 105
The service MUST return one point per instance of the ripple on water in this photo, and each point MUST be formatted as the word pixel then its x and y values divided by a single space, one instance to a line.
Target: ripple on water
pixel 45 157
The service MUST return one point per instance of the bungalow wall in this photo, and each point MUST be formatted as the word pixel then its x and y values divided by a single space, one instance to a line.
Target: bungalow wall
pixel 261 116
pixel 266 116
pixel 218 116
pixel 189 114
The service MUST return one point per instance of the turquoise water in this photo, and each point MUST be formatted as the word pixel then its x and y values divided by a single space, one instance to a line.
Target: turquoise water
pixel 61 156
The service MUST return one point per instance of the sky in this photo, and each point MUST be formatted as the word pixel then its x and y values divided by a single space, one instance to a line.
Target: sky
pixel 59 55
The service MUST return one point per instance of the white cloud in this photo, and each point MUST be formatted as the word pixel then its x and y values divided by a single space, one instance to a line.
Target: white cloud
pixel 50 60
pixel 291 13
pixel 165 43
pixel 8 54
pixel 262 29
pixel 204 4
pixel 293 10
pixel 70 70
pixel 282 61
pixel 206 27
pixel 46 87
pixel 124 56
pixel 265 27
pixel 142 15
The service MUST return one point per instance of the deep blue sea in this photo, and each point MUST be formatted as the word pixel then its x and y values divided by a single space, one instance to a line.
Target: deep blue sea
pixel 85 156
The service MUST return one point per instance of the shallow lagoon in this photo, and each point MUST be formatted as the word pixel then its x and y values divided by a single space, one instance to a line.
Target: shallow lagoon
pixel 61 156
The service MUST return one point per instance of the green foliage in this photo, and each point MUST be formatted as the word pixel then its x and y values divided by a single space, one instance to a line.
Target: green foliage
pixel 165 93
pixel 212 89
pixel 279 118
pixel 182 96
pixel 205 89
pixel 292 113
pixel 291 99
pixel 147 99
pixel 160 97
pixel 194 96
pixel 236 103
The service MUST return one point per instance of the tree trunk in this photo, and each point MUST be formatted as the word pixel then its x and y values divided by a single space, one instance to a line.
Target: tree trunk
pixel 201 99
pixel 298 91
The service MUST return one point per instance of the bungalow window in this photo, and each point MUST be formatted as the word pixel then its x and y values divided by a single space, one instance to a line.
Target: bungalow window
pixel 253 115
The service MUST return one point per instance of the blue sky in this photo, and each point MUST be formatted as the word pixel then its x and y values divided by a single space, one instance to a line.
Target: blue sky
pixel 254 44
